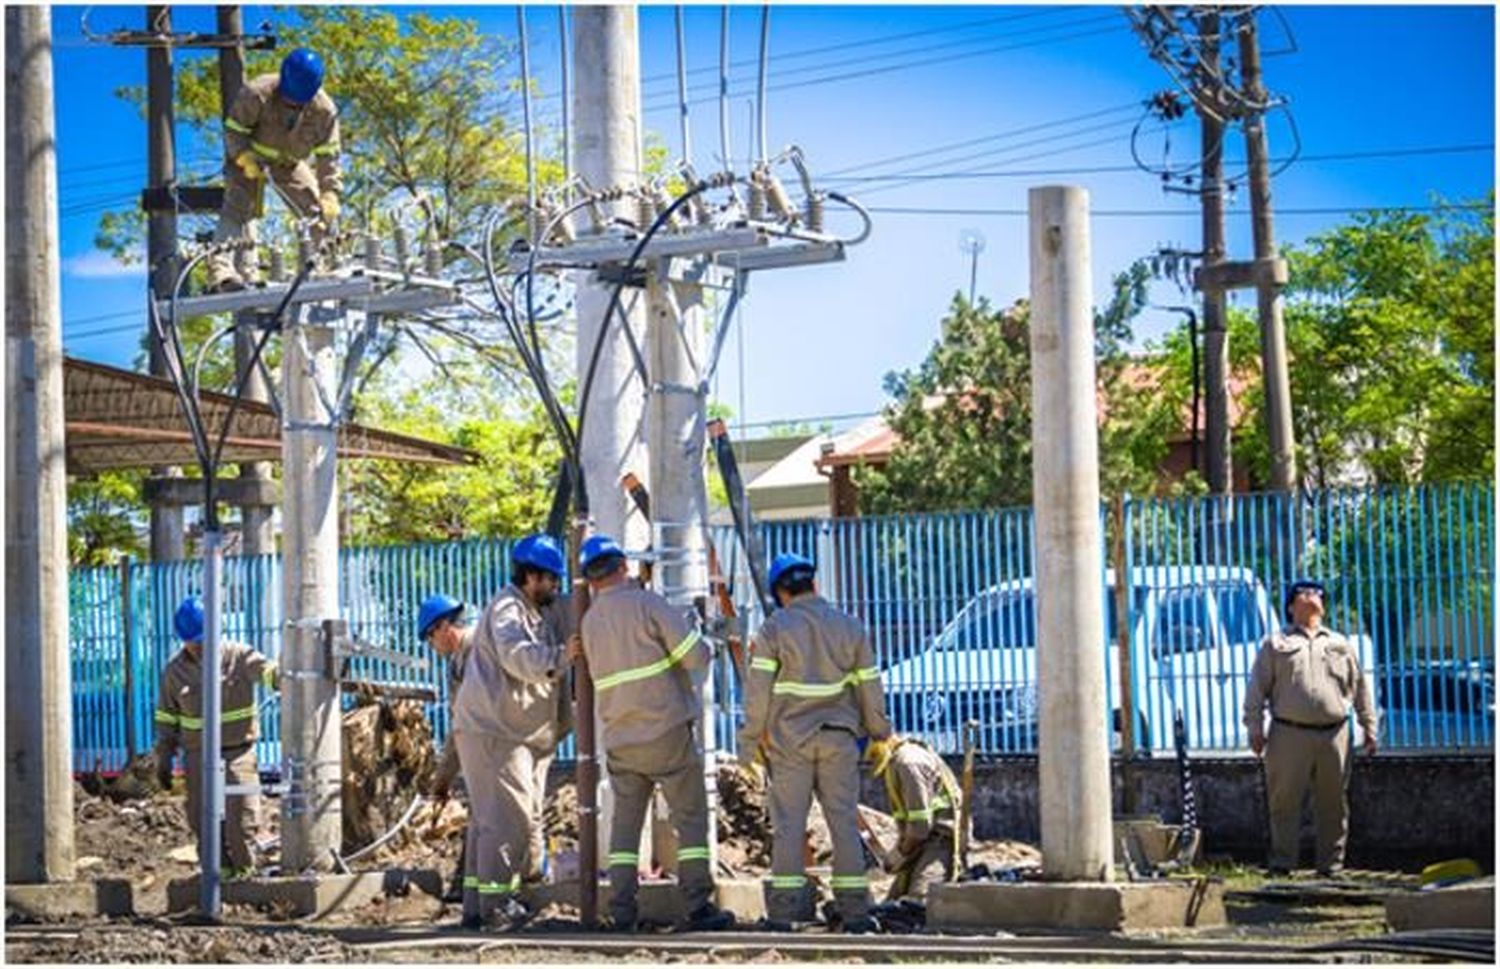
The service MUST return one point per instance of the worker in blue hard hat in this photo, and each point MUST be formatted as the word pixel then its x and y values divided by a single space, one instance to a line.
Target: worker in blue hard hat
pixel 642 652
pixel 812 692
pixel 1308 676
pixel 512 710
pixel 443 625
pixel 274 126
pixel 179 723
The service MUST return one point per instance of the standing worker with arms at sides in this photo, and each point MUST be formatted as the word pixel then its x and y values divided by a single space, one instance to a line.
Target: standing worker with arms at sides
pixel 1308 675
pixel 813 692
pixel 441 624
pixel 641 651
pixel 276 123
pixel 511 713
pixel 924 798
pixel 179 723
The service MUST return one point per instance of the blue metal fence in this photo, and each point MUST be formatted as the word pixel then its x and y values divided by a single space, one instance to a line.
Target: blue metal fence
pixel 948 602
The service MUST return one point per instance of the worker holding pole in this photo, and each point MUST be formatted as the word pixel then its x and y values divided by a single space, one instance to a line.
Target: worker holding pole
pixel 179 723
pixel 277 122
pixel 510 714
pixel 641 652
pixel 813 692
pixel 924 800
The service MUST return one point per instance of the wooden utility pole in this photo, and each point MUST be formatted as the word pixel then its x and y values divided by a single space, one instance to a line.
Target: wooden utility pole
pixel 1210 105
pixel 1270 272
pixel 38 682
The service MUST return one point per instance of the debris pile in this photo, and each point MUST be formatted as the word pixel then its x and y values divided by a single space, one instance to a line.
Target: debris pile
pixel 388 760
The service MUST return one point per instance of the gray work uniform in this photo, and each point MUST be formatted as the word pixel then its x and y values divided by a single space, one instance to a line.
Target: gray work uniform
pixel 1308 679
pixel 924 799
pixel 812 691
pixel 510 714
pixel 641 651
pixel 447 771
pixel 179 723
pixel 282 136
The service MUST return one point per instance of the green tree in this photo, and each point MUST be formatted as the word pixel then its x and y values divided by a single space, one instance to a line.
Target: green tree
pixel 104 518
pixel 963 416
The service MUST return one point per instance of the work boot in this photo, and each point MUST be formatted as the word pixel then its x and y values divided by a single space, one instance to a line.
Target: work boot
pixel 471 923
pixel 709 918
pixel 509 915
pixel 864 925
pixel 618 926
pixel 766 924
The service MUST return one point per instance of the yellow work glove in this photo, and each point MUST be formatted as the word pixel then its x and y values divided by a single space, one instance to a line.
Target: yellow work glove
pixel 250 166
pixel 329 204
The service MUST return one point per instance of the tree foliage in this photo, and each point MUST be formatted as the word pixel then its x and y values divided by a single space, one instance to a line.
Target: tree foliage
pixel 103 518
pixel 963 416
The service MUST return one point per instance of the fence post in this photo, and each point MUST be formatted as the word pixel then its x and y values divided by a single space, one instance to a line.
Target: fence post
pixel 1122 642
pixel 127 631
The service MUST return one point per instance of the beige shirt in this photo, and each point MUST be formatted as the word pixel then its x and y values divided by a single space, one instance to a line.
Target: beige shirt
pixel 514 680
pixel 1308 678
pixel 279 132
pixel 922 790
pixel 641 650
pixel 811 667
pixel 179 704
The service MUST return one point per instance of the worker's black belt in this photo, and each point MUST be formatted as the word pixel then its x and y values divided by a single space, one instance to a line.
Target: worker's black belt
pixel 1324 727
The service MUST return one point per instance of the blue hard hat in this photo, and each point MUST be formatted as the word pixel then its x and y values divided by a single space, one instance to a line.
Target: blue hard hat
pixel 301 76
pixel 434 608
pixel 188 620
pixel 788 562
pixel 597 548
pixel 1298 586
pixel 540 552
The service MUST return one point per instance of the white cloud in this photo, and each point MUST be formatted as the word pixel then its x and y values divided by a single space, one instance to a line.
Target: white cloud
pixel 97 264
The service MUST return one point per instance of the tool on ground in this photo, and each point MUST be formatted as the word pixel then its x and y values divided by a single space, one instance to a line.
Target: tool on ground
pixel 871 840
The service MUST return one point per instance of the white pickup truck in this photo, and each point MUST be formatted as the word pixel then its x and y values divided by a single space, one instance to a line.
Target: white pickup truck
pixel 1195 634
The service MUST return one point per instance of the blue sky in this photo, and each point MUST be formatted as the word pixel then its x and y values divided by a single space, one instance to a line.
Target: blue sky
pixel 818 341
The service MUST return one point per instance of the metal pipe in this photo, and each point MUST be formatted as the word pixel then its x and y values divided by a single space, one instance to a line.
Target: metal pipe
pixel 210 836
pixel 760 87
pixel 563 46
pixel 682 99
pixel 724 89
pixel 526 121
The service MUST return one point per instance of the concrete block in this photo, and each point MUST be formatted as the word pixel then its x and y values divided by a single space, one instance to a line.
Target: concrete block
pixel 313 895
pixel 77 899
pixel 1455 907
pixel 659 901
pixel 1106 907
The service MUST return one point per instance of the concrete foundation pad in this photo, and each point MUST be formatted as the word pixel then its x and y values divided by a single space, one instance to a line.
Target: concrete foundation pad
pixel 314 895
pixel 78 899
pixel 659 901
pixel 1455 907
pixel 1106 907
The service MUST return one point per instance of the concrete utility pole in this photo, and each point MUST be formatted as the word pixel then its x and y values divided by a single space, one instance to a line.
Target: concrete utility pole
pixel 38 685
pixel 167 542
pixel 607 151
pixel 1073 755
pixel 1220 471
pixel 677 432
pixel 311 811
pixel 1268 282
pixel 257 535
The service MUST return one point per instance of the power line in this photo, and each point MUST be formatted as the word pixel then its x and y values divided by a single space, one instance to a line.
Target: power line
pixel 970 142
pixel 1106 169
pixel 871 42
pixel 924 62
pixel 89 335
pixel 1153 213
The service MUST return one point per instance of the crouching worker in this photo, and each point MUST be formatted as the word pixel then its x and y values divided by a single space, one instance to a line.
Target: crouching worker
pixel 179 723
pixel 813 692
pixel 641 651
pixel 512 712
pixel 924 798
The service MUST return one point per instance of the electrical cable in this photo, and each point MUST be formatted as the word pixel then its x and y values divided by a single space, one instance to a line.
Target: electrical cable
pixel 760 87
pixel 1152 213
pixel 687 149
pixel 526 110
